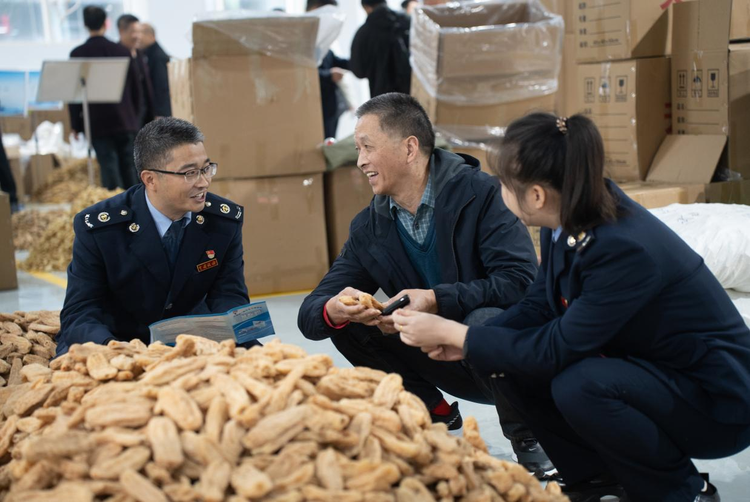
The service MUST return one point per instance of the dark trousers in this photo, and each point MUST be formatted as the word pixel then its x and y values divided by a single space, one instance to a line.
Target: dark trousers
pixel 610 415
pixel 7 183
pixel 115 156
pixel 367 346
pixel 330 124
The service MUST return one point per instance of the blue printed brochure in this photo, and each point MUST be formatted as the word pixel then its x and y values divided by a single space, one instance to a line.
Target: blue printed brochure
pixel 243 324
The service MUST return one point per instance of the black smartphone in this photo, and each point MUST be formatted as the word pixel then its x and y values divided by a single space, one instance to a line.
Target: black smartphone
pixel 401 302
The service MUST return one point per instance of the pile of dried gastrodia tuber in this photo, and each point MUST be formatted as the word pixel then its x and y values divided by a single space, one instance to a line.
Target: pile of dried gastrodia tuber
pixel 209 422
pixel 26 338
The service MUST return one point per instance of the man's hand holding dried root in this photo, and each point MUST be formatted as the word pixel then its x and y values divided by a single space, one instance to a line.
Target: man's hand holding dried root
pixel 347 306
pixel 441 339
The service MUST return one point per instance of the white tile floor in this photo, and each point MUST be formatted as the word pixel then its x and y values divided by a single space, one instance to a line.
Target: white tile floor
pixel 731 475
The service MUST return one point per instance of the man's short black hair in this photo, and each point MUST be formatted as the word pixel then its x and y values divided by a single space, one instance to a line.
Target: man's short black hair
pixel 402 115
pixel 124 21
pixel 406 3
pixel 94 17
pixel 155 142
pixel 316 4
pixel 372 3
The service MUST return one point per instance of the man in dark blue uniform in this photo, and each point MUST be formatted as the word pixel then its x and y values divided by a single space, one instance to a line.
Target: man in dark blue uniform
pixel 164 248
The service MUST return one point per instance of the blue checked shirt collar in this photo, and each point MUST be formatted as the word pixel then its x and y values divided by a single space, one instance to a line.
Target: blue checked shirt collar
pixel 417 225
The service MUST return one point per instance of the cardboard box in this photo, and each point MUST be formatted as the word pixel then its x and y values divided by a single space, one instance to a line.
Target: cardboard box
pixel 740 27
pixel 486 76
pixel 255 95
pixel 653 195
pixel 444 113
pixel 180 89
pixel 16 124
pixel 8 274
pixel 347 192
pixel 284 231
pixel 40 167
pixel 739 109
pixel 630 103
pixel 699 67
pixel 567 90
pixel 687 159
pixel 729 192
pixel 620 29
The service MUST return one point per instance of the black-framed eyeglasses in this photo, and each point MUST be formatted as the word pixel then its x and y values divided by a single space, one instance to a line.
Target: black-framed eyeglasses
pixel 191 176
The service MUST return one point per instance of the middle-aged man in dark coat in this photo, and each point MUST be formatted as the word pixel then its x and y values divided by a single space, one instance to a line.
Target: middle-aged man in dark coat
pixel 438 230
pixel 164 248
pixel 156 60
pixel 113 126
pixel 380 49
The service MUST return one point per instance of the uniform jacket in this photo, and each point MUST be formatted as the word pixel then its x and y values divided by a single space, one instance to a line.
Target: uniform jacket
pixel 157 61
pixel 119 279
pixel 485 253
pixel 630 289
pixel 109 119
pixel 380 52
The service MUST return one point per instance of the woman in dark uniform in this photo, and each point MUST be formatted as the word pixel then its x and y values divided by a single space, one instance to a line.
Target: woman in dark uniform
pixel 626 358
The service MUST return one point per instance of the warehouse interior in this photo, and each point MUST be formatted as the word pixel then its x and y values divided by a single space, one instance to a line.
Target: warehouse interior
pixel 273 88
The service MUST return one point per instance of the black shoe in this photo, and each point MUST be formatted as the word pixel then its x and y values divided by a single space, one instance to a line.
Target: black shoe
pixel 530 454
pixel 594 489
pixel 453 419
pixel 710 495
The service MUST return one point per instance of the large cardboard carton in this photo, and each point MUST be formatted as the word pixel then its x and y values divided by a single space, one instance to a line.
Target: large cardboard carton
pixel 16 124
pixel 40 167
pixel 255 95
pixel 180 89
pixel 487 76
pixel 499 115
pixel 8 275
pixel 620 29
pixel 630 103
pixel 567 90
pixel 653 195
pixel 347 193
pixel 699 67
pixel 740 28
pixel 284 231
pixel 729 192
pixel 739 109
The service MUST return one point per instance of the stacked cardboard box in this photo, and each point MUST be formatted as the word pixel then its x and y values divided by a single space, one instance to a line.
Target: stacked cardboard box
pixel 30 173
pixel 622 80
pixel 347 192
pixel 485 77
pixel 710 96
pixel 252 88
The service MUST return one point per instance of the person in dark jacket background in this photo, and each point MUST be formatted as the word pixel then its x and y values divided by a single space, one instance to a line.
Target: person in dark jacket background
pixel 131 33
pixel 438 231
pixel 113 126
pixel 156 60
pixel 380 49
pixel 330 71
pixel 627 357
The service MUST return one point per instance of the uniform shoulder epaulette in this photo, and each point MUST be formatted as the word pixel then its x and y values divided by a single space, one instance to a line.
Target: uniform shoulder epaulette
pixel 581 241
pixel 222 207
pixel 105 217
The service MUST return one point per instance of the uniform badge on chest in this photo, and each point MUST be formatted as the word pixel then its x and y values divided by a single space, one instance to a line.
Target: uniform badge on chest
pixel 202 267
pixel 210 253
